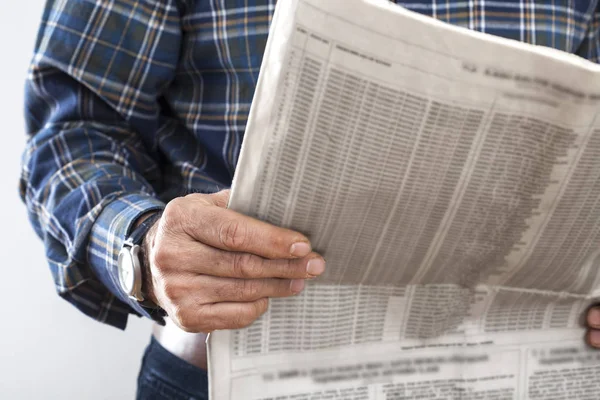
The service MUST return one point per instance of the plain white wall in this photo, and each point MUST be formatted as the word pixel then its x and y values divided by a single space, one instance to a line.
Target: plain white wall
pixel 48 350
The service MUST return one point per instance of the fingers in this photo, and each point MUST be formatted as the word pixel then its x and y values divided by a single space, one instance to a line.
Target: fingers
pixel 203 218
pixel 213 268
pixel 220 316
pixel 216 289
pixel 592 338
pixel 234 315
pixel 249 266
pixel 205 260
pixel 593 317
pixel 229 230
pixel 190 301
pixel 593 322
pixel 186 255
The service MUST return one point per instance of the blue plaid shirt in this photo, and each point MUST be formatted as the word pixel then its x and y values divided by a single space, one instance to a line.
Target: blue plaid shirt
pixel 130 104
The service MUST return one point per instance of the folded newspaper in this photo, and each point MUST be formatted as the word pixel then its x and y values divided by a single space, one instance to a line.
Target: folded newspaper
pixel 451 179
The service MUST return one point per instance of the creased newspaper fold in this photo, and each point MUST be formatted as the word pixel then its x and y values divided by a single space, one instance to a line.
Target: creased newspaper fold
pixel 452 181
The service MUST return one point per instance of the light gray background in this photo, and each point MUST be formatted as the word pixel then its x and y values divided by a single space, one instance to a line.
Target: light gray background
pixel 48 350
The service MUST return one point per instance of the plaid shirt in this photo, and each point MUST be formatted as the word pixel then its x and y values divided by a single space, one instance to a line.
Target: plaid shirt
pixel 129 104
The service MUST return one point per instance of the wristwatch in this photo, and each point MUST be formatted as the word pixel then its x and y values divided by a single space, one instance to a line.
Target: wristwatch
pixel 130 263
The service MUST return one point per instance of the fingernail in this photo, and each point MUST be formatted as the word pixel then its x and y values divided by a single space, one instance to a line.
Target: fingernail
pixel 297 285
pixel 300 249
pixel 594 317
pixel 595 338
pixel 316 266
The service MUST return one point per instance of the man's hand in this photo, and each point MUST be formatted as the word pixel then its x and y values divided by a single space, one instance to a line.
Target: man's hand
pixel 593 322
pixel 212 268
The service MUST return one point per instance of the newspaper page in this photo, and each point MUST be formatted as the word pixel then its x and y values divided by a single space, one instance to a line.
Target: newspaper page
pixel 451 180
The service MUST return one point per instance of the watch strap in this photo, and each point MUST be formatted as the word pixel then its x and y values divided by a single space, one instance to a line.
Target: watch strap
pixel 137 235
pixel 136 238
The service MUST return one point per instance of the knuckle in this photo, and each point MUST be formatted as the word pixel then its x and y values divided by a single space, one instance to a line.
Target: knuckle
pixel 220 199
pixel 260 307
pixel 233 234
pixel 243 318
pixel 234 290
pixel 173 210
pixel 207 321
pixel 178 216
pixel 200 199
pixel 170 291
pixel 288 268
pixel 174 216
pixel 184 320
pixel 252 289
pixel 161 256
pixel 244 266
pixel 221 292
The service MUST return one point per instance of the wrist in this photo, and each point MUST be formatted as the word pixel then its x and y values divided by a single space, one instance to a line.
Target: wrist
pixel 145 251
pixel 132 263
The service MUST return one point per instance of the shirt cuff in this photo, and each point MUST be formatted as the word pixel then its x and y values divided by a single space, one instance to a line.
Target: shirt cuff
pixel 109 231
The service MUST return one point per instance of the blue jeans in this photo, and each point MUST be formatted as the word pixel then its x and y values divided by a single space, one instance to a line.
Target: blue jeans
pixel 163 376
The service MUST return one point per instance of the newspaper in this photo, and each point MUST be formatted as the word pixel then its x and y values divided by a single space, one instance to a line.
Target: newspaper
pixel 451 180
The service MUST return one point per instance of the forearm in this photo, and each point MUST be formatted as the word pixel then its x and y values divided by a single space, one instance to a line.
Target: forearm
pixel 83 207
pixel 90 167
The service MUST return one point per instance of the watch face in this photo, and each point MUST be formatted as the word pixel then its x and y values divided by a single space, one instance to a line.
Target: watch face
pixel 126 271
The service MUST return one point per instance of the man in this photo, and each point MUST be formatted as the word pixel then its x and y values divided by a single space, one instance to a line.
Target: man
pixel 136 112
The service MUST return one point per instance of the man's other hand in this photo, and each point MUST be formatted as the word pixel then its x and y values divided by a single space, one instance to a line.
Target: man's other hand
pixel 212 268
pixel 593 322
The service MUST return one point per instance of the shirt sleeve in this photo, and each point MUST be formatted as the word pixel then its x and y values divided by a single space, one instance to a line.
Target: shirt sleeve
pixel 590 45
pixel 92 111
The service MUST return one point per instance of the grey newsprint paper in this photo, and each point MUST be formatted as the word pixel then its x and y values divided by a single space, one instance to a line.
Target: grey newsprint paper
pixel 451 180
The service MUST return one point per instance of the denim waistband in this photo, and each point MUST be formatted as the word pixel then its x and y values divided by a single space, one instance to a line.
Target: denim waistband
pixel 174 370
